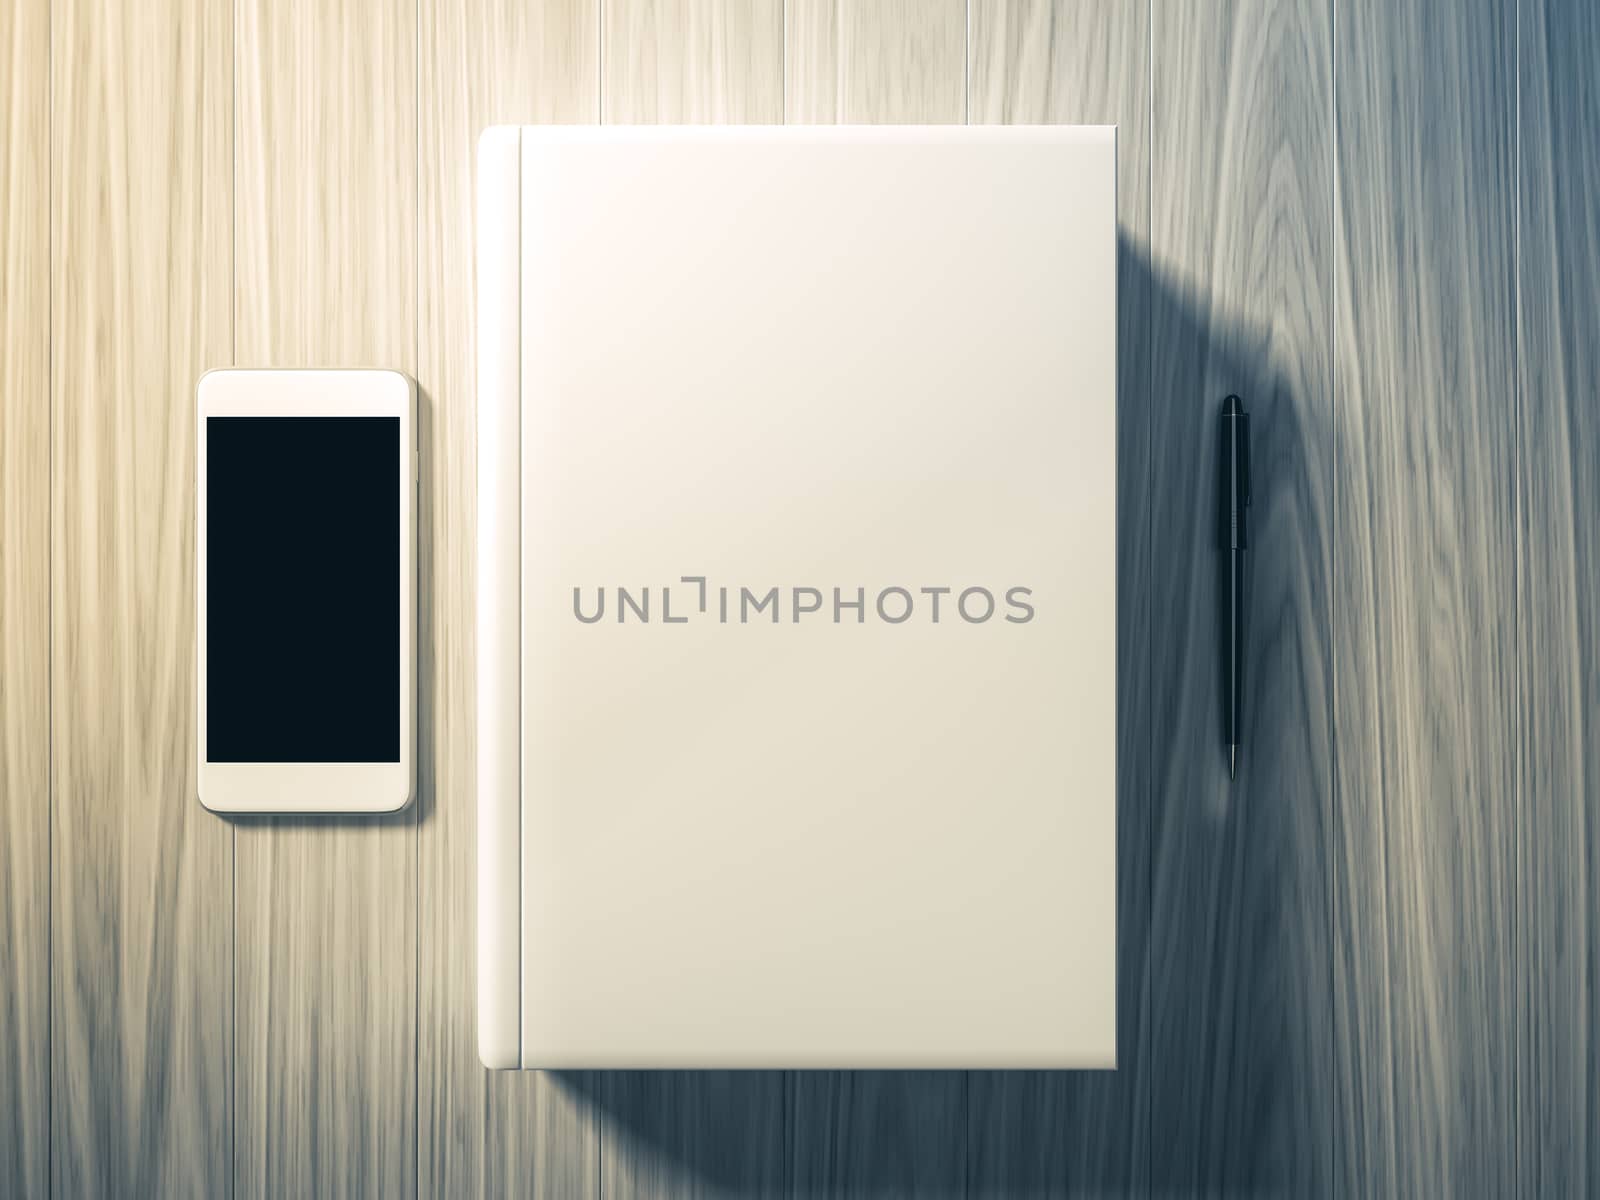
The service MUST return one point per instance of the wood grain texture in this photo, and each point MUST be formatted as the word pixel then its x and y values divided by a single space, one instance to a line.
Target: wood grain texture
pixel 1427 806
pixel 879 1133
pixel 875 62
pixel 325 912
pixel 1559 624
pixel 1241 274
pixel 142 1013
pixel 482 62
pixel 1349 212
pixel 25 598
pixel 691 61
pixel 1061 1133
pixel 689 1133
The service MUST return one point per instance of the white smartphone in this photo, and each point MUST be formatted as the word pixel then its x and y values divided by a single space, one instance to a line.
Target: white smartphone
pixel 305 584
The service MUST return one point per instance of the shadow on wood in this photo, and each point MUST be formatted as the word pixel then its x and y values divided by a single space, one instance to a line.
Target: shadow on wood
pixel 1241 1087
pixel 1223 968
pixel 678 1133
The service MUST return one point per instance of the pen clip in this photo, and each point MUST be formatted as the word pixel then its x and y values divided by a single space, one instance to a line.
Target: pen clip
pixel 1244 459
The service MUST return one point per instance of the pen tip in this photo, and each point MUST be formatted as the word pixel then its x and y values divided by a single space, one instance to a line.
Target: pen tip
pixel 1232 753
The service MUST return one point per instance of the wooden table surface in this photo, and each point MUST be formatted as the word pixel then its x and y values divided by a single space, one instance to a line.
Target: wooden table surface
pixel 1371 966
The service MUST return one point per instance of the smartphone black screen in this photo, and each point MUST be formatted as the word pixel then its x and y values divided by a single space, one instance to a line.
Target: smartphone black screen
pixel 303 589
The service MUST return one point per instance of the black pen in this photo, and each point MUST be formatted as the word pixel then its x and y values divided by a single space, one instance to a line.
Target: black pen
pixel 1235 499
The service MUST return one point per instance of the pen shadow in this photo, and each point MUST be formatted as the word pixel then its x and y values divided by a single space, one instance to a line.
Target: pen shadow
pixel 1224 1043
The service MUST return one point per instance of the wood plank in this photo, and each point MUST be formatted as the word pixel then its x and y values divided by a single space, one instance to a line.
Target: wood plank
pixel 688 1133
pixel 326 907
pixel 691 61
pixel 1426 802
pixel 683 1133
pixel 1559 646
pixel 25 598
pixel 482 62
pixel 1241 278
pixel 142 1013
pixel 882 1133
pixel 875 62
pixel 1061 1133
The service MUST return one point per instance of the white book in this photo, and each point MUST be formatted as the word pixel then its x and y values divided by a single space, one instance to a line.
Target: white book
pixel 797 597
